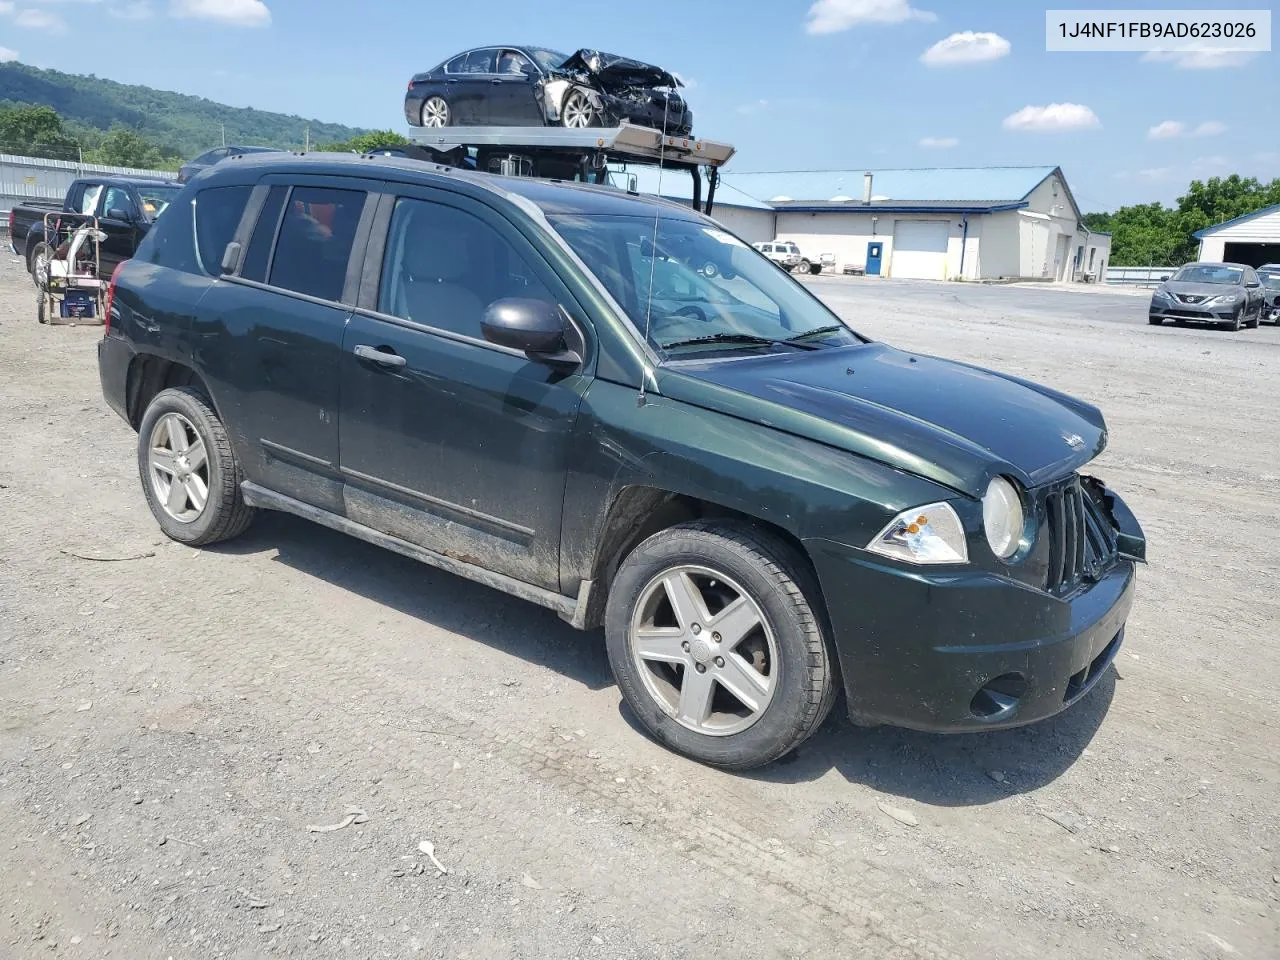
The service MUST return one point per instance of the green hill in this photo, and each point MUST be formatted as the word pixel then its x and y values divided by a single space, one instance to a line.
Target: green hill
pixel 179 124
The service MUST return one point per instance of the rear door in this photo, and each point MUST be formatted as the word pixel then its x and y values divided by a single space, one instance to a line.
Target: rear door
pixel 471 96
pixel 448 441
pixel 269 336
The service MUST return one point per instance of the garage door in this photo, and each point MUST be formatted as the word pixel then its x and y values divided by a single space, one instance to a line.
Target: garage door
pixel 920 249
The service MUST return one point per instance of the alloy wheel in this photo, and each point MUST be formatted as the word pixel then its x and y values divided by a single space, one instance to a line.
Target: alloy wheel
pixel 704 650
pixel 435 112
pixel 40 269
pixel 578 112
pixel 178 465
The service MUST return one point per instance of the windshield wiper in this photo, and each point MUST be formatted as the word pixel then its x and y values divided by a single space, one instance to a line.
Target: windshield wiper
pixel 746 339
pixel 800 338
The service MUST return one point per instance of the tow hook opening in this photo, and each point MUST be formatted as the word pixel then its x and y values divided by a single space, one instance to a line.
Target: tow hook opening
pixel 998 698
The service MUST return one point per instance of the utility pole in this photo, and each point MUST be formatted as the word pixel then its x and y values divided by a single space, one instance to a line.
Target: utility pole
pixel 224 134
pixel 306 147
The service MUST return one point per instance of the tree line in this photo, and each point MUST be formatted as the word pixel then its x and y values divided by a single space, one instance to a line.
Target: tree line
pixel 39 131
pixel 1151 234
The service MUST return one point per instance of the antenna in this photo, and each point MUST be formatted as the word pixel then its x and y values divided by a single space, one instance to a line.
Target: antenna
pixel 653 258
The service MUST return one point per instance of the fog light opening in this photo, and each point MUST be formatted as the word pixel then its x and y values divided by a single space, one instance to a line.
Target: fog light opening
pixel 999 697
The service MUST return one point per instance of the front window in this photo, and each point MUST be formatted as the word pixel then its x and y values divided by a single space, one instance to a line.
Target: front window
pixel 1209 273
pixel 548 59
pixel 699 289
pixel 155 200
pixel 1270 280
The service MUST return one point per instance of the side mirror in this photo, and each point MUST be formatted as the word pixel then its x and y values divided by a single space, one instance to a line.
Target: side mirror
pixel 534 326
pixel 116 213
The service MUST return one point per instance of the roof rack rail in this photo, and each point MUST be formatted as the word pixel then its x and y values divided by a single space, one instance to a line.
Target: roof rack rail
pixel 572 153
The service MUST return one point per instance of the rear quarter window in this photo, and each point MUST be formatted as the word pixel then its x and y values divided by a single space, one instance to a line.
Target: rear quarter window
pixel 171 240
pixel 218 211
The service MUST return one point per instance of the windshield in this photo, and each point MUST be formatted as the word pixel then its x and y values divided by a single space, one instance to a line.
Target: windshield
pixel 1208 273
pixel 548 59
pixel 1270 280
pixel 157 198
pixel 711 291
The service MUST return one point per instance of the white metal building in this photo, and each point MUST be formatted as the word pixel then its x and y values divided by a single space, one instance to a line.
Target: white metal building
pixel 978 223
pixel 1253 239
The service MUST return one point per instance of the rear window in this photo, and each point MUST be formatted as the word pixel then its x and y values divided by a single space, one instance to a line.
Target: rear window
pixel 218 211
pixel 258 256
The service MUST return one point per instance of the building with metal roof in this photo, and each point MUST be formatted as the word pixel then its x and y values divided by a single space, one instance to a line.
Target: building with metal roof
pixel 971 223
pixel 1253 238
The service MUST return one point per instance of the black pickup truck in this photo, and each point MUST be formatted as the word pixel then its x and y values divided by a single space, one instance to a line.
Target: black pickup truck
pixel 126 207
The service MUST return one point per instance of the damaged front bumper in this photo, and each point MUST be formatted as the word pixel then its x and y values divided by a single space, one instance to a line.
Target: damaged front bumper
pixel 969 650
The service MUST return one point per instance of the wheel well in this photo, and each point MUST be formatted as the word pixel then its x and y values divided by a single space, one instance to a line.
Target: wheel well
pixel 148 375
pixel 638 512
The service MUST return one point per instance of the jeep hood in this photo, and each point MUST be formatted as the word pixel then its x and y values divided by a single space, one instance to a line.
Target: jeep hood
pixel 949 422
pixel 612 70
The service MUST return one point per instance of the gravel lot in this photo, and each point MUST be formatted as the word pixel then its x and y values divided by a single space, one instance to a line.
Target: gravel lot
pixel 173 724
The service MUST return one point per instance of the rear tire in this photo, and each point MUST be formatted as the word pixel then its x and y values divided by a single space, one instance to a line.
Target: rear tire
pixel 436 112
pixel 190 475
pixel 772 646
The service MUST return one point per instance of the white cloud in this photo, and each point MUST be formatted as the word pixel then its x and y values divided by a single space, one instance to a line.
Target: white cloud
pixel 134 10
pixel 6 7
pixel 239 13
pixel 1173 129
pixel 754 106
pixel 939 143
pixel 1210 128
pixel 40 20
pixel 1053 118
pixel 7 55
pixel 689 82
pixel 966 47
pixel 1198 59
pixel 1156 173
pixel 833 16
pixel 1167 130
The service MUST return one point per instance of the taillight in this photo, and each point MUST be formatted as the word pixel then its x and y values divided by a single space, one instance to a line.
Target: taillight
pixel 111 295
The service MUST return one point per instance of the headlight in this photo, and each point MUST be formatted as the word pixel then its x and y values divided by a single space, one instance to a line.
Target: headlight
pixel 1225 298
pixel 930 534
pixel 1161 295
pixel 1002 517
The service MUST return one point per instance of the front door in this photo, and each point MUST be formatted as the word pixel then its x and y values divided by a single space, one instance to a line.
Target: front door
pixel 875 252
pixel 270 337
pixel 470 93
pixel 448 441
pixel 121 221
pixel 514 102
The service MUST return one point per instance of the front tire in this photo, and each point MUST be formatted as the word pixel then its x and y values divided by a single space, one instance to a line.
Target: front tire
pixel 190 475
pixel 716 646
pixel 1155 321
pixel 1234 325
pixel 577 112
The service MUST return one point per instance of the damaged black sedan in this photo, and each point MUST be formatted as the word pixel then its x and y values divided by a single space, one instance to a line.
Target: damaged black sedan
pixel 534 86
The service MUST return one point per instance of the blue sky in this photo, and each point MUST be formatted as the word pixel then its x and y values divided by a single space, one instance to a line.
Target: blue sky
pixel 793 84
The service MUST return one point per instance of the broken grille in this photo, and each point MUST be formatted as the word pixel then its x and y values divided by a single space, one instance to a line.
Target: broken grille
pixel 1082 538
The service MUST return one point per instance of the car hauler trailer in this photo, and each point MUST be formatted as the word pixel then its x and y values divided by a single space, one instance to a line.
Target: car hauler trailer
pixel 562 153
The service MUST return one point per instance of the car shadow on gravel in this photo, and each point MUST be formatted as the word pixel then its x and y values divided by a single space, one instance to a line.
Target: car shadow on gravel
pixel 949 770
pixel 433 596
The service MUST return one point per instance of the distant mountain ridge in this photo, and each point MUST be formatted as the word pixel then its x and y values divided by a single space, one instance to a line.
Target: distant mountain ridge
pixel 186 124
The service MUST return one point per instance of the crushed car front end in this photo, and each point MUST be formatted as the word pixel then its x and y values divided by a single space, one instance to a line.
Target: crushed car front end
pixel 622 90
pixel 989 644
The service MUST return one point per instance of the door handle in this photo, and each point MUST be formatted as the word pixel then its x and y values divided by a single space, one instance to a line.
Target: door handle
pixel 385 358
pixel 496 81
